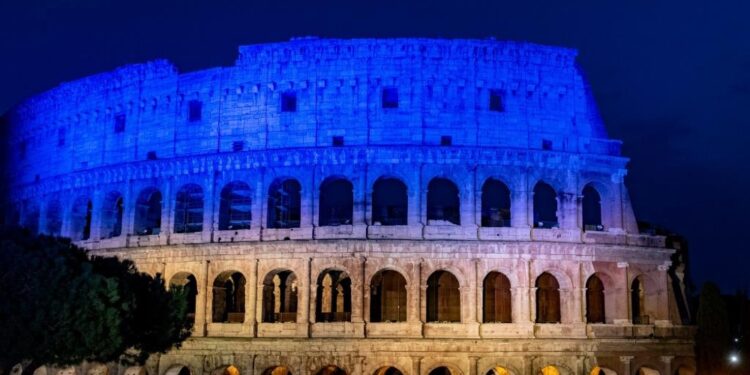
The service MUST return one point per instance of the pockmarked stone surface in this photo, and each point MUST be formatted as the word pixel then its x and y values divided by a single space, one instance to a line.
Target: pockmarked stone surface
pixel 371 206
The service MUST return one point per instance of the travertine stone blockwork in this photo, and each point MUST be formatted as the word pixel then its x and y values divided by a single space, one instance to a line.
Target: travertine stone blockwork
pixel 295 292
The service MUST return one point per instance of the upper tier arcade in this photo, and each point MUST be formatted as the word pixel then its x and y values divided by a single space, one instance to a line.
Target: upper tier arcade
pixel 475 132
pixel 314 93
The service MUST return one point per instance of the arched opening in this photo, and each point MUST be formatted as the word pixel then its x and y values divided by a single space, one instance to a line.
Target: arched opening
pixel 334 297
pixel 331 370
pixel 280 297
pixel 545 206
pixel 229 298
pixel 235 208
pixel 148 212
pixel 389 202
pixel 336 202
pixel 54 218
pixel 190 285
pixel 277 370
pixel 684 370
pixel 547 299
pixel 188 212
pixel 647 371
pixel 549 370
pixel 497 298
pixel 112 210
pixel 284 204
pixel 80 228
pixel 442 370
pixel 498 371
pixel 443 298
pixel 495 204
pixel 443 206
pixel 31 217
pixel 595 300
pixel 228 370
pixel 388 297
pixel 388 371
pixel 591 209
pixel 178 370
pixel 637 298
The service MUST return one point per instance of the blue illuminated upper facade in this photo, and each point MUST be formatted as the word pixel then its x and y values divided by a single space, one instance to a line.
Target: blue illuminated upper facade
pixel 311 108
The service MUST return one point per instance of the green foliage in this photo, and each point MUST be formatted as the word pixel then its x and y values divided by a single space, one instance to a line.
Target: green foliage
pixel 712 338
pixel 60 307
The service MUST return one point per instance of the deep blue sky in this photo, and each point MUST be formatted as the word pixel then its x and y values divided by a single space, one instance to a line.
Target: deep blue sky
pixel 672 78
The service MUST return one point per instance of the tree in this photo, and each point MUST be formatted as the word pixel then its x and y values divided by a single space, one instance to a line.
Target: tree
pixel 712 338
pixel 58 306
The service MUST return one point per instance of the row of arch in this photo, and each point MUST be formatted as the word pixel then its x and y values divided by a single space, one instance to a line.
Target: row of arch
pixel 335 370
pixel 336 207
pixel 389 297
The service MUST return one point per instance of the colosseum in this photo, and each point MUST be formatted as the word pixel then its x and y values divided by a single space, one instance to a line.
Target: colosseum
pixel 361 207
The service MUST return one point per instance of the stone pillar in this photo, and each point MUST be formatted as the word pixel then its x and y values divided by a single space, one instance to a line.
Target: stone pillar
pixel 578 312
pixel 567 210
pixel 626 363
pixel 625 316
pixel 307 200
pixel 532 304
pixel 416 364
pixel 473 365
pixel 202 311
pixel 663 305
pixel 520 206
pixel 250 296
pixel 97 203
pixel 167 206
pixel 667 360
pixel 305 315
pixel 359 207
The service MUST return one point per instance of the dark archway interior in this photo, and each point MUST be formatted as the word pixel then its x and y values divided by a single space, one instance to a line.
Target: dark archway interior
pixel 284 204
pixel 336 203
pixel 594 300
pixel 389 202
pixel 443 298
pixel 591 209
pixel 148 212
pixel 235 208
pixel 547 299
pixel 443 203
pixel 280 297
pixel 545 206
pixel 388 297
pixel 229 298
pixel 334 297
pixel 497 298
pixel 495 204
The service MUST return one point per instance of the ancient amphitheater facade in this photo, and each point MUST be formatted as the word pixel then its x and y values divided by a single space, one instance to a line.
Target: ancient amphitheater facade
pixel 401 206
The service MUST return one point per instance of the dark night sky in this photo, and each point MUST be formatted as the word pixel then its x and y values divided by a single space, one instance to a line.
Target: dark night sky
pixel 672 78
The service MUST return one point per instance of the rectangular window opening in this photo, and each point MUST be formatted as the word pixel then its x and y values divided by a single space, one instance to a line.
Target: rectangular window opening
pixel 390 97
pixel 120 123
pixel 238 146
pixel 151 155
pixel 195 110
pixel 496 101
pixel 289 102
pixel 546 144
pixel 446 140
pixel 338 141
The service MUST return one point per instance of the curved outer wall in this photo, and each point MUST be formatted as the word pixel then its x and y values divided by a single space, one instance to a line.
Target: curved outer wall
pixel 132 129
